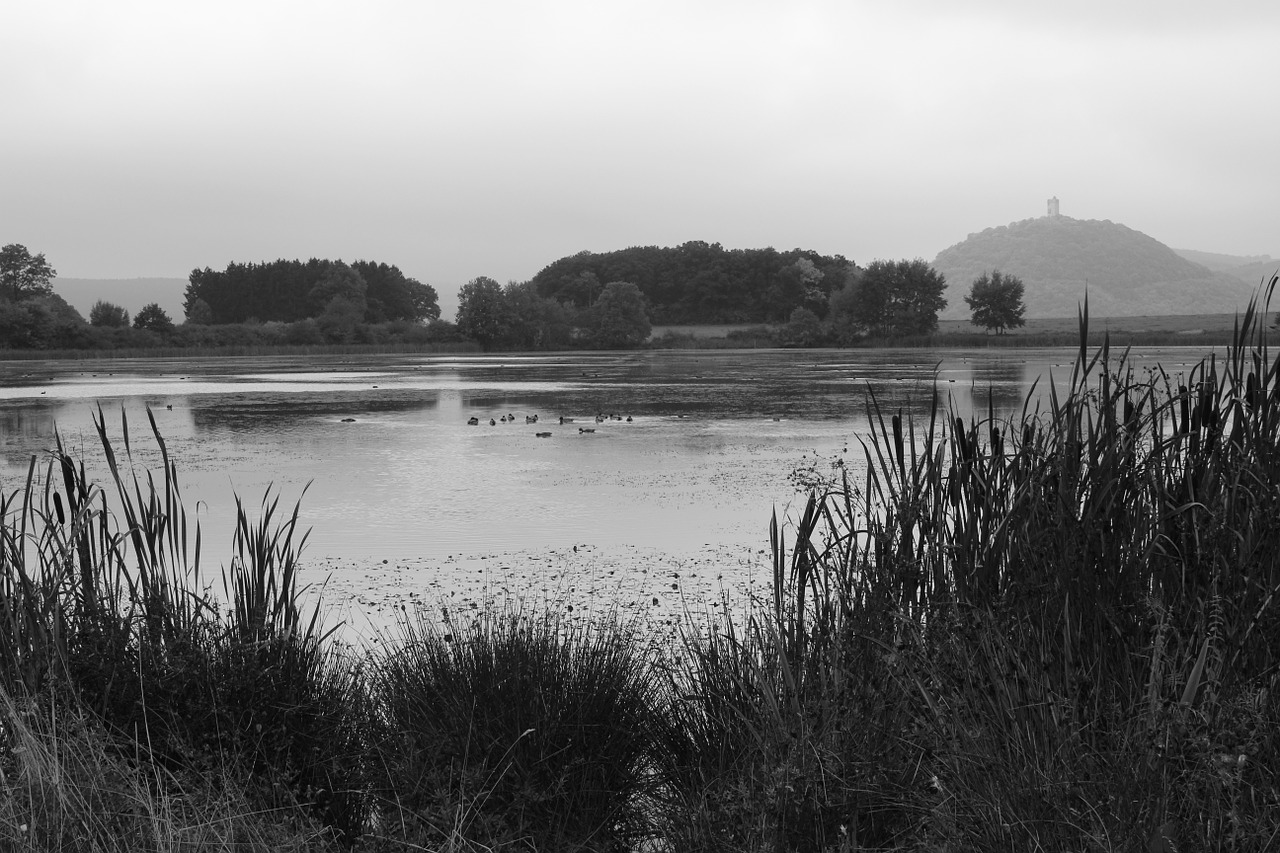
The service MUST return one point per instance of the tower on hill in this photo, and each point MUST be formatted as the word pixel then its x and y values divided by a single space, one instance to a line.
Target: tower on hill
pixel 1053 206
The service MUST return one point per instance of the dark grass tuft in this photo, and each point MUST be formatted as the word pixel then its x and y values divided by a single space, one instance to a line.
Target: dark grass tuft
pixel 517 730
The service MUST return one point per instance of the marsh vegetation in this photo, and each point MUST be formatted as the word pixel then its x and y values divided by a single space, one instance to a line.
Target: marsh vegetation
pixel 1052 630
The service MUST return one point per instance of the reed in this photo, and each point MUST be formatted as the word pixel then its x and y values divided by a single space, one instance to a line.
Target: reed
pixel 103 609
pixel 1055 630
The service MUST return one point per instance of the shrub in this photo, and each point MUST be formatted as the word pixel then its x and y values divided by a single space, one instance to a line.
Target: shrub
pixel 517 729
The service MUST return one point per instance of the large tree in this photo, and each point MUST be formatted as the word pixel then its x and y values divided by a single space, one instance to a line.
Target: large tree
pixel 338 281
pixel 109 314
pixel 152 316
pixel 534 322
pixel 482 311
pixel 23 275
pixel 618 318
pixel 896 298
pixel 996 301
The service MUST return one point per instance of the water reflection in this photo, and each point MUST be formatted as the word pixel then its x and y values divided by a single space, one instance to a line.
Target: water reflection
pixel 392 468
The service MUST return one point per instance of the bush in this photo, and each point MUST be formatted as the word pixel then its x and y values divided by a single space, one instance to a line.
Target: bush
pixel 517 730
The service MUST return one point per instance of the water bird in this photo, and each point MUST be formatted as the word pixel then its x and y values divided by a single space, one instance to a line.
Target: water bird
pixel 492 422
pixel 348 420
pixel 473 421
pixel 628 418
pixel 543 434
pixel 564 420
pixel 585 429
pixel 531 419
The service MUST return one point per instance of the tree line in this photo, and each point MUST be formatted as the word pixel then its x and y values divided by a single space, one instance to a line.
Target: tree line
pixel 270 304
pixel 699 282
pixel 806 299
pixel 289 291
pixel 518 317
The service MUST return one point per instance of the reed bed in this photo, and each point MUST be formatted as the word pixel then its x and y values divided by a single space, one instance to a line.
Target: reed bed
pixel 1051 631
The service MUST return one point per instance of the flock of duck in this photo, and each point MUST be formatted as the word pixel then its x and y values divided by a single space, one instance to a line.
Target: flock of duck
pixel 533 419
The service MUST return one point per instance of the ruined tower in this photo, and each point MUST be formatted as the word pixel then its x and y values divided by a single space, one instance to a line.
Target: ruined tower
pixel 1053 206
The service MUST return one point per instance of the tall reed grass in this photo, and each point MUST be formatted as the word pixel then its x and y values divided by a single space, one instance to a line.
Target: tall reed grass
pixel 1052 631
pixel 103 608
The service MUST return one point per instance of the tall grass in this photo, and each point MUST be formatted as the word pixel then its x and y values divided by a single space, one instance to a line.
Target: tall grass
pixel 1053 631
pixel 517 731
pixel 103 608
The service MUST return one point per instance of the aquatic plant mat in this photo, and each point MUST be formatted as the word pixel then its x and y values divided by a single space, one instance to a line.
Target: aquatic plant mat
pixel 1055 631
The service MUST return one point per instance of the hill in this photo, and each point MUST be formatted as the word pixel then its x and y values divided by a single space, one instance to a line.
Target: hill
pixel 1126 272
pixel 129 293
pixel 1219 262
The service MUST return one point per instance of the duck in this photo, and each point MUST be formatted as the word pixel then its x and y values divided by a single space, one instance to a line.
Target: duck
pixel 473 421
pixel 543 434
pixel 531 419
pixel 585 429
pixel 492 422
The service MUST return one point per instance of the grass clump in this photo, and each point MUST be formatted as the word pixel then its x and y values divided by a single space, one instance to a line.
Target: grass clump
pixel 516 731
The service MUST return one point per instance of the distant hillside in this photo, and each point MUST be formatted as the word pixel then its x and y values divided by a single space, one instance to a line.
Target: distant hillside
pixel 1127 272
pixel 1223 263
pixel 129 293
pixel 1253 274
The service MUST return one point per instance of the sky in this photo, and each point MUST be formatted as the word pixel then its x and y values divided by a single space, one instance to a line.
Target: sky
pixel 147 138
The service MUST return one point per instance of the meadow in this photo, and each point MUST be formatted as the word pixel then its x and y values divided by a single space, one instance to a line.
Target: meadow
pixel 1054 630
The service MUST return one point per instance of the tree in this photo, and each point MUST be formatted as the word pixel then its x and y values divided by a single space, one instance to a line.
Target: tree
pixel 40 322
pixel 152 316
pixel 23 275
pixel 482 311
pixel 896 298
pixel 339 319
pixel 618 318
pixel 534 322
pixel 199 312
pixel 803 329
pixel 996 301
pixel 392 296
pixel 339 280
pixel 108 314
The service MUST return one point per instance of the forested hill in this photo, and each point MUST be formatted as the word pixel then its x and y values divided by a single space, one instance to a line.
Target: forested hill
pixel 1127 272
pixel 702 282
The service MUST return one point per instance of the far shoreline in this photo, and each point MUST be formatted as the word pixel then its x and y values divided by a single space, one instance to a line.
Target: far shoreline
pixel 1148 330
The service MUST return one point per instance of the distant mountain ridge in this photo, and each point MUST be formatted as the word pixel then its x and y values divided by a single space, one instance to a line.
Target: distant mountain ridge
pixel 1125 272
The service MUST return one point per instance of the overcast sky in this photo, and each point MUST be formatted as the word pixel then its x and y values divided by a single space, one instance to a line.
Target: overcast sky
pixel 461 139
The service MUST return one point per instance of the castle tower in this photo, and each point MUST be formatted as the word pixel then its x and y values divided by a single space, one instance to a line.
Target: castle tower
pixel 1053 206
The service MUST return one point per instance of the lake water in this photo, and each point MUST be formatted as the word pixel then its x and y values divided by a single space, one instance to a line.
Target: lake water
pixel 402 494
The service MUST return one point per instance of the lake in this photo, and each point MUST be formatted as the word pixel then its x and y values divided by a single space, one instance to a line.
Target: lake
pixel 672 493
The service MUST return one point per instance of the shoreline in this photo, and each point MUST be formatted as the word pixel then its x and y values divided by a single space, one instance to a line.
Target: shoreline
pixel 649 585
